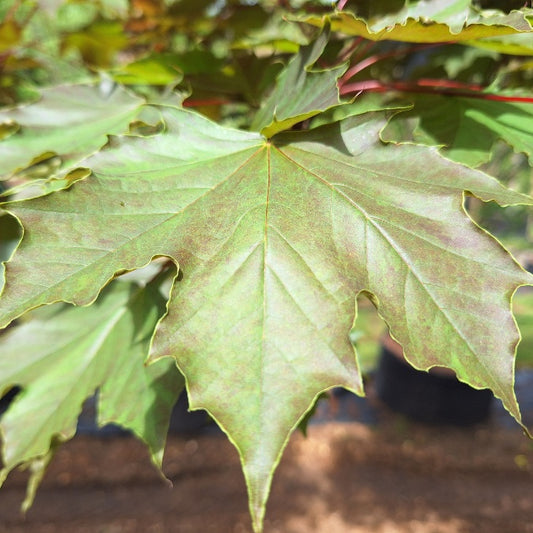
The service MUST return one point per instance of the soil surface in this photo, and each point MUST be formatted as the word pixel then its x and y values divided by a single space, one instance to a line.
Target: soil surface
pixel 388 475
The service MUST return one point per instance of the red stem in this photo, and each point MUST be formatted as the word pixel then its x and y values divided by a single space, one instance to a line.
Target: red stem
pixel 444 87
pixel 363 51
pixel 449 84
pixel 352 71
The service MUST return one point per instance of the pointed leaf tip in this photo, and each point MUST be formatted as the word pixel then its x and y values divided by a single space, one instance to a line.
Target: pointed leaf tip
pixel 274 241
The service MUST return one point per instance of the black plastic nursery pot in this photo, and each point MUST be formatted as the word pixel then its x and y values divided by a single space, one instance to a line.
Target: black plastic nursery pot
pixel 429 397
pixel 7 398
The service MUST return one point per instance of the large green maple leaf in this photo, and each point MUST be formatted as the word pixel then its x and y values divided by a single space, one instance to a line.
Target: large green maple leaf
pixel 274 240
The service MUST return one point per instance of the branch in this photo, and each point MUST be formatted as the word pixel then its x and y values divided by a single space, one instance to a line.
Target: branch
pixel 428 86
pixel 371 60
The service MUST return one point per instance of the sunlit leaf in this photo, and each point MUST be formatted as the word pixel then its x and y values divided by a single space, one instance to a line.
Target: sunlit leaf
pixel 279 236
pixel 453 13
pixel 520 44
pixel 420 30
pixel 275 239
pixel 88 113
pixel 63 354
pixel 152 71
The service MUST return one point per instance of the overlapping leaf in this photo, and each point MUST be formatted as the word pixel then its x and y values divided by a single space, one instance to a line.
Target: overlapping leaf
pixel 87 113
pixel 467 127
pixel 63 354
pixel 520 44
pixel 412 26
pixel 300 93
pixel 274 240
pixel 456 14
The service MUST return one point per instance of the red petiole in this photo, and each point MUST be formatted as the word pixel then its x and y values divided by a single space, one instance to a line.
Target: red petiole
pixel 428 86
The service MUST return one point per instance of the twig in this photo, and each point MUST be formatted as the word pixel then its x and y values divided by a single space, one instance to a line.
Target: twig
pixel 427 86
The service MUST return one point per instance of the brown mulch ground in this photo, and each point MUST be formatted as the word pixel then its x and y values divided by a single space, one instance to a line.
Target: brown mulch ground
pixel 394 477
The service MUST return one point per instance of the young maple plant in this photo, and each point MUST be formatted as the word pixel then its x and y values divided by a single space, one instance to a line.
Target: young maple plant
pixel 266 175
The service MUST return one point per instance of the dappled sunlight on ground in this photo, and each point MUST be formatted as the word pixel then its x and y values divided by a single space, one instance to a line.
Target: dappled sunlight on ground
pixel 390 476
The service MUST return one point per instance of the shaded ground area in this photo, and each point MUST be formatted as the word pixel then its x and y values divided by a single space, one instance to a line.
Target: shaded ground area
pixel 386 476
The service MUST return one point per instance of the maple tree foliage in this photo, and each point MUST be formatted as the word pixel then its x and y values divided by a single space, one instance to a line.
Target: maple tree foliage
pixel 269 172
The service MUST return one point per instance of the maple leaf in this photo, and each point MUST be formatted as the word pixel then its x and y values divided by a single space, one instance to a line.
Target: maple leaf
pixel 458 15
pixel 311 92
pixel 62 354
pixel 88 113
pixel 468 127
pixel 274 240
pixel 427 23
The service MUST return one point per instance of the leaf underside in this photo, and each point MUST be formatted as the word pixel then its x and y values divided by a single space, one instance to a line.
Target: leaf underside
pixel 63 354
pixel 88 113
pixel 274 241
pixel 300 93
